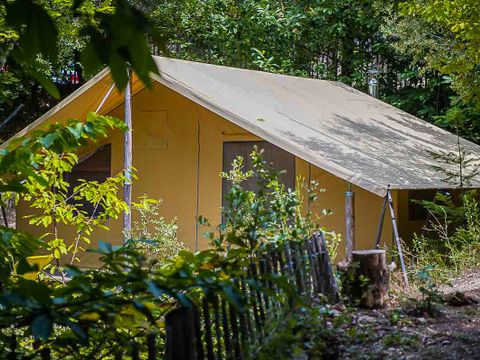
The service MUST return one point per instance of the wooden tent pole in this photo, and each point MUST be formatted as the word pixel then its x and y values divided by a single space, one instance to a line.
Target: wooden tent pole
pixel 349 222
pixel 127 160
pixel 397 239
pixel 380 222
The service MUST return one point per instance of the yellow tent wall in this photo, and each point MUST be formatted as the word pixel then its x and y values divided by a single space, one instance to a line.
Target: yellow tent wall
pixel 170 135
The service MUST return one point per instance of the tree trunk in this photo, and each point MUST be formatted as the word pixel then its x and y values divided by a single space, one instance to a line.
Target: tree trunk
pixel 367 278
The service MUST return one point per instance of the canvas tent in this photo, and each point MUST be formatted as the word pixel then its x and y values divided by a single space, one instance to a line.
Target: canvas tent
pixel 329 127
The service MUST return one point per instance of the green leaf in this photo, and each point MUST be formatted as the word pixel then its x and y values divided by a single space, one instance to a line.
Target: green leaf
pixel 81 334
pixel 232 296
pixel 104 247
pixel 38 33
pixel 42 327
pixel 184 300
pixel 154 289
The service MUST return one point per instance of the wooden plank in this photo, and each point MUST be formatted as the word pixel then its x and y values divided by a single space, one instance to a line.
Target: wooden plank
pixel 316 242
pixel 226 331
pixel 181 341
pixel 249 331
pixel 218 329
pixel 313 267
pixel 262 269
pixel 237 351
pixel 253 301
pixel 4 215
pixel 208 329
pixel 135 350
pixel 258 294
pixel 330 284
pixel 275 268
pixel 198 334
pixel 151 347
pixel 298 267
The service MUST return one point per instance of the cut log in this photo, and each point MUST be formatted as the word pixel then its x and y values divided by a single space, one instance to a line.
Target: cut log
pixel 367 278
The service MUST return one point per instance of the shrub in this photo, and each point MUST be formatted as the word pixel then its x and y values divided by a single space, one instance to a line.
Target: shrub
pixel 99 311
pixel 152 234
pixel 449 246
pixel 57 202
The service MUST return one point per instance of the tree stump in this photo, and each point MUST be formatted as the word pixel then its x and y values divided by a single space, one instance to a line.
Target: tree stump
pixel 367 278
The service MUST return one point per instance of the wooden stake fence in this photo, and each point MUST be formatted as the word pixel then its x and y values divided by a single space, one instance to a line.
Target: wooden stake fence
pixel 215 329
pixel 227 333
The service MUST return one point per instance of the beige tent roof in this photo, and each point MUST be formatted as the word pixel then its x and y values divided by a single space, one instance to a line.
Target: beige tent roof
pixel 331 125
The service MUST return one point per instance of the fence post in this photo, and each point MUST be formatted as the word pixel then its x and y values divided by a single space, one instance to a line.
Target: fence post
pixel 181 339
pixel 330 284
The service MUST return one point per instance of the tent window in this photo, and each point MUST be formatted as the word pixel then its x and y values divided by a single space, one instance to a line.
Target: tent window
pixel 94 167
pixel 280 159
pixel 417 212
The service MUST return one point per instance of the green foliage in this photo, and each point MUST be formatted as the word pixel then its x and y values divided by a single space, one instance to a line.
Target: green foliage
pixel 438 37
pixel 353 286
pixel 333 243
pixel 115 34
pixel 98 312
pixel 326 39
pixel 15 247
pixel 430 298
pixel 20 159
pixel 82 36
pixel 252 218
pixel 450 247
pixel 309 332
pixel 455 50
pixel 20 166
pixel 152 234
pixel 57 203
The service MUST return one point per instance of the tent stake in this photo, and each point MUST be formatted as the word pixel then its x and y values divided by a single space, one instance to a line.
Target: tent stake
pixel 127 161
pixel 380 223
pixel 349 222
pixel 397 240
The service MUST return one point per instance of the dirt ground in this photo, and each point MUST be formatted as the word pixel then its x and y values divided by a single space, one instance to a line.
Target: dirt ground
pixel 395 334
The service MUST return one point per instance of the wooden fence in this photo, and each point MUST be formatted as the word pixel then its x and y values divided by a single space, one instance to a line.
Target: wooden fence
pixel 216 329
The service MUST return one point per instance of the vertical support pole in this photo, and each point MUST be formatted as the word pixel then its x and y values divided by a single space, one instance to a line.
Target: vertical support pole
pixel 380 223
pixel 397 240
pixel 197 188
pixel 127 161
pixel 349 222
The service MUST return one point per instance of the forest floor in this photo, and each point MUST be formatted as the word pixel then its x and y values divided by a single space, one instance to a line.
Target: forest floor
pixel 449 330
pixel 394 333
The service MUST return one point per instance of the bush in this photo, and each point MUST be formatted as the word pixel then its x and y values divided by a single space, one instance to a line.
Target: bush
pixel 99 311
pixel 152 234
pixel 450 245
